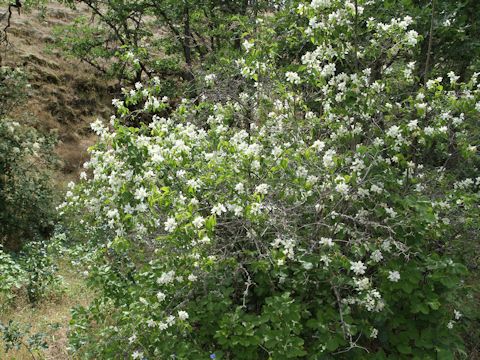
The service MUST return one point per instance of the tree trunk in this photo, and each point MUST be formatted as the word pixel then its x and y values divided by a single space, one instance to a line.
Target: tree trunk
pixel 187 37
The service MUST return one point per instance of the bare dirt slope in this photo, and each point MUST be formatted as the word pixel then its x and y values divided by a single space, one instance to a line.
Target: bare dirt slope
pixel 65 95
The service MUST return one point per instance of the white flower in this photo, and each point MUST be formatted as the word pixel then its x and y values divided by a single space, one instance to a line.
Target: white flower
pixel 117 103
pixel 262 189
pixel 161 296
pixel 431 84
pixel 112 213
pixel 457 314
pixel 132 338
pixel 317 4
pixel 141 194
pixel 205 240
pixel 97 126
pixel 357 267
pixel 248 45
pixel 311 179
pixel 453 78
pixel 192 278
pixel 219 209
pixel 393 276
pixel 428 130
pixel 240 188
pixel 170 225
pixel 143 300
pixel 412 38
pixel 376 189
pixel 394 131
pixel 362 284
pixel 374 333
pixel 182 315
pixel 151 323
pixel 450 324
pixel 326 260
pixel 210 79
pixel 412 125
pixel 318 145
pixel 342 188
pixel 328 161
pixel 326 242
pixel 390 212
pixel 377 256
pixel 307 266
pixel 198 222
pixel 292 77
pixel 165 278
pixel 137 355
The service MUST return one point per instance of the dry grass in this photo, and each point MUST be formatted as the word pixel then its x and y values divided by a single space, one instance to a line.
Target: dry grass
pixel 55 309
pixel 65 95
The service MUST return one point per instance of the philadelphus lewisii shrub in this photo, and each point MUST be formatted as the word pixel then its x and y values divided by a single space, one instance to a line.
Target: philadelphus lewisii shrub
pixel 326 227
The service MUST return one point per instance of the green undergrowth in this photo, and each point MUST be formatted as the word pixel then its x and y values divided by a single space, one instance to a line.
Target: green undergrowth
pixel 39 330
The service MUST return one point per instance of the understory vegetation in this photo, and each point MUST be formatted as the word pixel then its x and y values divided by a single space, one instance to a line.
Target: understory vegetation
pixel 277 180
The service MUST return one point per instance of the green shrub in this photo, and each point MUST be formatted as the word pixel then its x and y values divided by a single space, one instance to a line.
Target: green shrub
pixel 26 156
pixel 12 278
pixel 15 335
pixel 27 209
pixel 13 85
pixel 31 273
pixel 319 215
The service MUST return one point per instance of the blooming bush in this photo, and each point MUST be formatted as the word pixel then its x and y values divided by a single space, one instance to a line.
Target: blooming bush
pixel 26 157
pixel 322 212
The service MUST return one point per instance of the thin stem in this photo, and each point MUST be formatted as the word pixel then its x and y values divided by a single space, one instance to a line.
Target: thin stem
pixel 430 41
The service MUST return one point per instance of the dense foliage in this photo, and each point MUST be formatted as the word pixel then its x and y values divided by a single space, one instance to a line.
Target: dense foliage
pixel 32 272
pixel 179 41
pixel 26 156
pixel 167 38
pixel 325 208
pixel 450 29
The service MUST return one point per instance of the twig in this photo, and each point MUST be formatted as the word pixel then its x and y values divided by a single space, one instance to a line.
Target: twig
pixel 356 35
pixel 18 6
pixel 430 41
pixel 339 303
pixel 248 283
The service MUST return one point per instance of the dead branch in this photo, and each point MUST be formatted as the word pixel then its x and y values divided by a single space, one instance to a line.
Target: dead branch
pixel 18 6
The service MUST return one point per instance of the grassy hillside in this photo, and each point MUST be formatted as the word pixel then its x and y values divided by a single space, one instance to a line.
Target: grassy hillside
pixel 65 95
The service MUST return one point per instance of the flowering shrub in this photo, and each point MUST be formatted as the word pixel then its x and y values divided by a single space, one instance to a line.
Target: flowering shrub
pixel 26 156
pixel 319 214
